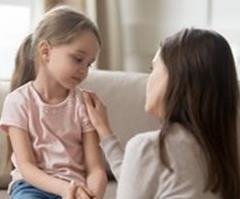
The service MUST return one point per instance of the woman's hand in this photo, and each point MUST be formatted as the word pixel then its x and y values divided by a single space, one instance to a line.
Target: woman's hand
pixel 97 113
pixel 78 192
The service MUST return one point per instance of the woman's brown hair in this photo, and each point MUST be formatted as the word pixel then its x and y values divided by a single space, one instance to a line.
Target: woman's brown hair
pixel 202 95
pixel 60 25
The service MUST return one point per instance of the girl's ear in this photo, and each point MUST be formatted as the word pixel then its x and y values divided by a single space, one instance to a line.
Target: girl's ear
pixel 44 51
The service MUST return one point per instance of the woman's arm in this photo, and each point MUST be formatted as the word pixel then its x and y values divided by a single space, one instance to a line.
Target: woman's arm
pixel 26 162
pixel 140 171
pixel 96 172
pixel 113 153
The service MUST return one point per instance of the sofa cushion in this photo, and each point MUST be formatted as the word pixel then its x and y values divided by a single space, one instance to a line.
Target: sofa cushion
pixel 5 163
pixel 3 194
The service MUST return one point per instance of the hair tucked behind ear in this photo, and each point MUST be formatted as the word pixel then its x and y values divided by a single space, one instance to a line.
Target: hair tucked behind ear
pixel 24 64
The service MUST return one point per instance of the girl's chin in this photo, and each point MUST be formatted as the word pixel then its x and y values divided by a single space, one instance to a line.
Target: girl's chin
pixel 71 85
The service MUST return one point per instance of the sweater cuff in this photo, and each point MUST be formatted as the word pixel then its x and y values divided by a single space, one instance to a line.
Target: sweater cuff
pixel 107 142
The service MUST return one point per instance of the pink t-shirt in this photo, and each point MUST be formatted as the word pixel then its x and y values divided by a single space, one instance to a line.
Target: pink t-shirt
pixel 55 131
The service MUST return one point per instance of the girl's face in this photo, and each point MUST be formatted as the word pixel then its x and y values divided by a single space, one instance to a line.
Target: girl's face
pixel 68 64
pixel 156 87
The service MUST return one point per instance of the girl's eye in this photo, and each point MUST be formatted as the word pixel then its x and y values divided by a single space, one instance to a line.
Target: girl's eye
pixel 78 59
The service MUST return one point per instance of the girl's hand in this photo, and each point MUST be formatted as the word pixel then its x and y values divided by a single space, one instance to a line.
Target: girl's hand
pixel 78 192
pixel 71 191
pixel 83 192
pixel 97 113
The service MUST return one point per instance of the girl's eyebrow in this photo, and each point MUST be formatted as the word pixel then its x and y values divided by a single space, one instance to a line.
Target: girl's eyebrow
pixel 81 51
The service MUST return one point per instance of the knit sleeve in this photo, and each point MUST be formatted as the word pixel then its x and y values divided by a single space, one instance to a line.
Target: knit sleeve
pixel 113 153
pixel 140 170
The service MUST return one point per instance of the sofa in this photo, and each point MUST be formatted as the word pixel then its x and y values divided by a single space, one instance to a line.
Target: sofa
pixel 124 95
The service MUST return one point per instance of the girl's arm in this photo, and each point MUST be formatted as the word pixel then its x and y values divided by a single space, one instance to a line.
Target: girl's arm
pixel 27 165
pixel 98 115
pixel 96 172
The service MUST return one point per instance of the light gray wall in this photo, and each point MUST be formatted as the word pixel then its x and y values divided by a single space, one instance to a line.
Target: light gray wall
pixel 146 23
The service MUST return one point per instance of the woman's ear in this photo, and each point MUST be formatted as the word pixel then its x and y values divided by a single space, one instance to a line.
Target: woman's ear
pixel 43 49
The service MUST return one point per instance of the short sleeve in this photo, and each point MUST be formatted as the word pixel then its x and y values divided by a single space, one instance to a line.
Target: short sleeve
pixel 14 113
pixel 85 121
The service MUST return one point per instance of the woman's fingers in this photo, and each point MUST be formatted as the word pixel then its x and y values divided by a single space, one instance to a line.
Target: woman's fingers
pixel 94 98
pixel 88 101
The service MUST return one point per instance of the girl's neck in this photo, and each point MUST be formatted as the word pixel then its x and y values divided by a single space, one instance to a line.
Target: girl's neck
pixel 49 90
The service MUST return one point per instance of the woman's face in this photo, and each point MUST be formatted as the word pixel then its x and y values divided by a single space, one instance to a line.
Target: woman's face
pixel 156 87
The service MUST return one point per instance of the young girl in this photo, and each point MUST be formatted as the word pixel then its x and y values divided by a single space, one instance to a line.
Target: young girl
pixel 53 140
pixel 193 91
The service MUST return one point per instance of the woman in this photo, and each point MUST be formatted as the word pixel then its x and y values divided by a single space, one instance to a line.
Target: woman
pixel 193 92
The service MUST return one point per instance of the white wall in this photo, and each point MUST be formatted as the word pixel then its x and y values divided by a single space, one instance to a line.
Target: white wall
pixel 226 20
pixel 17 19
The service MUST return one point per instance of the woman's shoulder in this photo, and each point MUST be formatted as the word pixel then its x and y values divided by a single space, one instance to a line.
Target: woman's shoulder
pixel 179 135
pixel 183 148
pixel 179 143
pixel 176 136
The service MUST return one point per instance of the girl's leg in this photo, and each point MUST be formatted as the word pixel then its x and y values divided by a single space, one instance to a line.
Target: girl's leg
pixel 23 190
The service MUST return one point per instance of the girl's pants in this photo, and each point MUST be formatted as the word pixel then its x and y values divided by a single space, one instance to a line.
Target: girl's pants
pixel 22 190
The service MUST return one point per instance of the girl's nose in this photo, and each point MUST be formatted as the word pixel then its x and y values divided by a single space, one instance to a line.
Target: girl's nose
pixel 82 69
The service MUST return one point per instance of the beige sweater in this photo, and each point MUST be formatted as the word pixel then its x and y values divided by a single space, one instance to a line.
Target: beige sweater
pixel 141 174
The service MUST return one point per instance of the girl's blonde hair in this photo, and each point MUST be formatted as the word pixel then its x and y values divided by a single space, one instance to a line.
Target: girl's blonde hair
pixel 60 25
